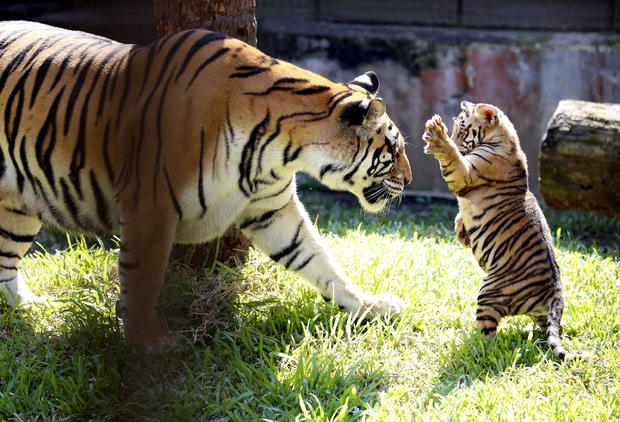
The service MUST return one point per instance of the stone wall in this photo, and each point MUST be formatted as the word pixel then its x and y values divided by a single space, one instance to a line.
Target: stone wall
pixel 427 70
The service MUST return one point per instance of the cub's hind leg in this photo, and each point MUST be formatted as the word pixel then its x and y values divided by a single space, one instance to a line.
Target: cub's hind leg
pixel 487 319
pixel 18 230
pixel 493 305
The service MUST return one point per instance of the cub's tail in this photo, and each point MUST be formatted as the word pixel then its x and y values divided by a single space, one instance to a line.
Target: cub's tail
pixel 554 328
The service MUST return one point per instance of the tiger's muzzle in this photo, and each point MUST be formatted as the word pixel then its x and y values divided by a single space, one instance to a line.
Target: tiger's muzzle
pixel 383 191
pixel 392 187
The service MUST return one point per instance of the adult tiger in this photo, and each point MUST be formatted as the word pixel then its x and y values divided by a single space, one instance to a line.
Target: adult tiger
pixel 174 142
pixel 500 219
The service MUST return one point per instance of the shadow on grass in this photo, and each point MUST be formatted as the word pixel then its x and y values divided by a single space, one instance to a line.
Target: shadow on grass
pixel 263 366
pixel 262 361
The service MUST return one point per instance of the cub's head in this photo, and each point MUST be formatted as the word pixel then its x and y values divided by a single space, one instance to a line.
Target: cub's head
pixel 482 123
pixel 358 148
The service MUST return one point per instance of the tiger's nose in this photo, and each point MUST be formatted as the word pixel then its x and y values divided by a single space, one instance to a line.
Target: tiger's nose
pixel 408 179
pixel 402 170
pixel 405 174
pixel 403 179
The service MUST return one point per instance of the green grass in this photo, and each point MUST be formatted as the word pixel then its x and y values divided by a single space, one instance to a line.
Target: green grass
pixel 259 343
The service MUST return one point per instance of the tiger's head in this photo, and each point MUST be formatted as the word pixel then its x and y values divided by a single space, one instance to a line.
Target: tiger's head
pixel 359 148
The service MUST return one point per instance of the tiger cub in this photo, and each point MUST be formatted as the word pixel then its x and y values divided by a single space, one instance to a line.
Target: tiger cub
pixel 499 219
pixel 174 142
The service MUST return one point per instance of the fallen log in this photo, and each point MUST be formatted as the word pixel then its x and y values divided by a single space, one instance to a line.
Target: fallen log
pixel 580 158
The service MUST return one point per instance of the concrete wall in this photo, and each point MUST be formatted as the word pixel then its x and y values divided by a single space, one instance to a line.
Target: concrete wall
pixel 427 70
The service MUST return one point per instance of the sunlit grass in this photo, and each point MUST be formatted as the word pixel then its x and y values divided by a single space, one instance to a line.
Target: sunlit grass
pixel 277 351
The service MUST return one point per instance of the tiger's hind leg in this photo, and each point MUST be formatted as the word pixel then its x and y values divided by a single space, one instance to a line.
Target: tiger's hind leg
pixel 147 234
pixel 18 230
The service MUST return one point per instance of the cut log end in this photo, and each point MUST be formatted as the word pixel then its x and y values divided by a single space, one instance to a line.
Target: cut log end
pixel 580 158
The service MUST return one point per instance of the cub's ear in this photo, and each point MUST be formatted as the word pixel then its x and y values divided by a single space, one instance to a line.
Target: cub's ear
pixel 465 105
pixel 486 114
pixel 363 112
pixel 369 81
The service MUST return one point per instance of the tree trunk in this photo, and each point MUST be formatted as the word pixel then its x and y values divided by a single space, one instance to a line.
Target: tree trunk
pixel 231 17
pixel 235 18
pixel 580 158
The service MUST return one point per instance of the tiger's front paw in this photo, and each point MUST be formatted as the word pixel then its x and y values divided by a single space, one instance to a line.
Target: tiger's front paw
pixel 19 294
pixel 384 304
pixel 435 135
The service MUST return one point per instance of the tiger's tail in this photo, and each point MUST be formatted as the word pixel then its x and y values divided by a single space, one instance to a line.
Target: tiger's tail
pixel 554 328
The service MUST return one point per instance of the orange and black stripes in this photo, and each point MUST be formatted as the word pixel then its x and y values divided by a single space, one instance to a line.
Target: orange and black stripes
pixel 78 76
pixel 175 142
pixel 88 85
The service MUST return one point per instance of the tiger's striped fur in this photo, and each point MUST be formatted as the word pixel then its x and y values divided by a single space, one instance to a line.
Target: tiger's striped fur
pixel 500 219
pixel 174 142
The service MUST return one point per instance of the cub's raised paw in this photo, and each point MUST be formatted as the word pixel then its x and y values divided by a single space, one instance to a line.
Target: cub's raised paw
pixel 435 135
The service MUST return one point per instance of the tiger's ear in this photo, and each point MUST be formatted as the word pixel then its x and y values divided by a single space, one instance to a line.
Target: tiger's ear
pixel 363 112
pixel 376 109
pixel 369 81
pixel 486 114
